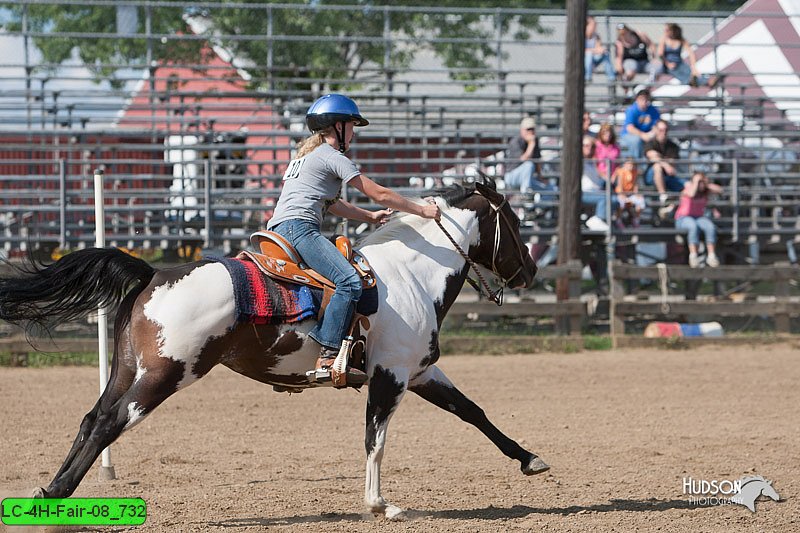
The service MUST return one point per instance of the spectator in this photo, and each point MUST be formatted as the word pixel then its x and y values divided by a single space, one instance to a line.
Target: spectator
pixel 523 172
pixel 690 216
pixel 625 180
pixel 596 54
pixel 606 148
pixel 633 51
pixel 662 153
pixel 593 186
pixel 640 117
pixel 670 54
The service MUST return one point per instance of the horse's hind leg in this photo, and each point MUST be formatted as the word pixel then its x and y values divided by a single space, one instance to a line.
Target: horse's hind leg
pixel 434 386
pixel 123 371
pixel 138 401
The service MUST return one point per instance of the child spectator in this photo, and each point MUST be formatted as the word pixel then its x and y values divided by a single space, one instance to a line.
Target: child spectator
pixel 625 180
pixel 690 216
pixel 593 186
pixel 606 148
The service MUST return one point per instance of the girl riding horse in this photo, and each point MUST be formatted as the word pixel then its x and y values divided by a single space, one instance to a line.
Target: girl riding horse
pixel 312 185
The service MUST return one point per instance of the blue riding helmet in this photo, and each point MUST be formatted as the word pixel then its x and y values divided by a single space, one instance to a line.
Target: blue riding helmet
pixel 332 108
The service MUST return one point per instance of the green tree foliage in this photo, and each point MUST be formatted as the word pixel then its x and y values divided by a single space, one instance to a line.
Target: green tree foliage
pixel 101 54
pixel 667 5
pixel 347 40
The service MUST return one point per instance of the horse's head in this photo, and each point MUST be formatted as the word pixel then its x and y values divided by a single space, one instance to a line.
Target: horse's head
pixel 500 247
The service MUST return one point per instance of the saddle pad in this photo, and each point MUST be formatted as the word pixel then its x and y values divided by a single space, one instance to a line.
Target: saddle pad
pixel 263 300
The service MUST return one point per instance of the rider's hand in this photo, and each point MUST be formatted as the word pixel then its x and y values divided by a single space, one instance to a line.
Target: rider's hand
pixel 380 217
pixel 431 211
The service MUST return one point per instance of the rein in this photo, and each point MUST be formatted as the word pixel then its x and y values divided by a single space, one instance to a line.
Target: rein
pixel 495 296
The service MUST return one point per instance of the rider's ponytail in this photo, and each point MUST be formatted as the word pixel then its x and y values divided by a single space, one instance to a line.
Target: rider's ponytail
pixel 311 143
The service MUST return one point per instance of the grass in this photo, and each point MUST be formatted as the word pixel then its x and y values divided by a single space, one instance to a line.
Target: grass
pixel 596 342
pixel 41 359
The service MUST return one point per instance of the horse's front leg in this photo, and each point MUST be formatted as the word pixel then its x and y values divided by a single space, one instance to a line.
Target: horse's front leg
pixel 386 389
pixel 434 386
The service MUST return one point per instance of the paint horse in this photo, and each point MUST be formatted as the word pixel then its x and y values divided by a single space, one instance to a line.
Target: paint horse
pixel 174 325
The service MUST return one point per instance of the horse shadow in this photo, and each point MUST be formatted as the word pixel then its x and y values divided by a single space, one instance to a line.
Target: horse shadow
pixel 485 513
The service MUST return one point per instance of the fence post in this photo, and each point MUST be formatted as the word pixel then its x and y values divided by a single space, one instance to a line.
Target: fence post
pixel 616 294
pixel 574 291
pixel 62 200
pixel 781 317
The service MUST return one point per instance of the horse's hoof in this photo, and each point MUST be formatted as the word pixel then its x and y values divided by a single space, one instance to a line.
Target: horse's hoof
pixel 395 514
pixel 535 466
pixel 39 492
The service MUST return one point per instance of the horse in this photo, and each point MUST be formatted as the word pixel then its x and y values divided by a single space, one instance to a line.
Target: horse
pixel 173 325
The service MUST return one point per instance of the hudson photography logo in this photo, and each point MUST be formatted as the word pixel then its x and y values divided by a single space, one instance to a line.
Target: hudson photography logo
pixel 745 491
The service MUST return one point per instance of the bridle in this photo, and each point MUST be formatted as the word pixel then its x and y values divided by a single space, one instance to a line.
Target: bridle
pixel 495 296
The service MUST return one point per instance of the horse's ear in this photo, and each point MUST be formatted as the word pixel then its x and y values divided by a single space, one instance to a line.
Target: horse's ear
pixel 489 190
pixel 486 179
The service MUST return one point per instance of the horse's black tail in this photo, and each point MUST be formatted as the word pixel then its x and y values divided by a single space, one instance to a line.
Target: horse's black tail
pixel 72 287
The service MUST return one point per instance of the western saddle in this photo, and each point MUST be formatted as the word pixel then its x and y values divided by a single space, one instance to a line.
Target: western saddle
pixel 279 260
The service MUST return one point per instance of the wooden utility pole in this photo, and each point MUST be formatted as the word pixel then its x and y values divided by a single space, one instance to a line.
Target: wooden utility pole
pixel 569 204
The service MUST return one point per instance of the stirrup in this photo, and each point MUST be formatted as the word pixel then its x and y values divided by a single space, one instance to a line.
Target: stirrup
pixel 336 369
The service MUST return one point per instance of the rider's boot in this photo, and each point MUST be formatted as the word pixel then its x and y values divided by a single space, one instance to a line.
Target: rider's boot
pixel 351 376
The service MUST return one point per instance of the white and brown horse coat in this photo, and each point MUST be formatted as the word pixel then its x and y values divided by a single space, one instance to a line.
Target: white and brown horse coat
pixel 178 323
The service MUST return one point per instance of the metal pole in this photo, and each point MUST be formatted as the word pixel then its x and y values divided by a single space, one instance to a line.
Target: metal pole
pixel 270 52
pixel 498 35
pixel 735 199
pixel 106 469
pixel 608 195
pixel 207 199
pixel 611 250
pixel 28 94
pixel 151 70
pixel 718 92
pixel 62 200
pixel 387 39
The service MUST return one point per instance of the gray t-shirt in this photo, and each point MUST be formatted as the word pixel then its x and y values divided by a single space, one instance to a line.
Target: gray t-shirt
pixel 312 184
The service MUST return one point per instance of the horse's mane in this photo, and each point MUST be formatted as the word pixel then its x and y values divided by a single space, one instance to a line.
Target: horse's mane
pixel 455 193
pixel 399 223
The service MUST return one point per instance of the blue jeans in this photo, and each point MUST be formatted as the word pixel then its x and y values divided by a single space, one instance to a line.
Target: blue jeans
pixel 671 183
pixel 522 179
pixel 598 199
pixel 631 145
pixel 692 225
pixel 640 66
pixel 321 254
pixel 592 61
pixel 683 73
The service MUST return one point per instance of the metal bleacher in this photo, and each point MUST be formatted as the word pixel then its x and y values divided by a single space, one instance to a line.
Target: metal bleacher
pixel 429 125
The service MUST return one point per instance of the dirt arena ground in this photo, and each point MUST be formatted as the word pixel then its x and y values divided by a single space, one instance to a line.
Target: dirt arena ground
pixel 620 429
